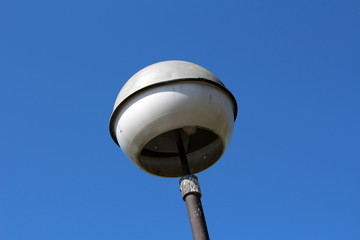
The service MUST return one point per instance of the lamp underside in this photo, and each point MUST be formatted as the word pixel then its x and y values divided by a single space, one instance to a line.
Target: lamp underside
pixel 160 155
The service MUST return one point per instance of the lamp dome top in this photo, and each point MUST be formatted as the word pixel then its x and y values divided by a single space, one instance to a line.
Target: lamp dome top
pixel 163 72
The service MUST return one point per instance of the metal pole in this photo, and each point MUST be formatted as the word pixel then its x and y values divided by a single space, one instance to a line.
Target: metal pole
pixel 191 194
pixel 182 154
pixel 190 190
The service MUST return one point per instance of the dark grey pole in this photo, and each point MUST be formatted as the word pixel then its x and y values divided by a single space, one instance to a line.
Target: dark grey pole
pixel 191 193
pixel 190 190
pixel 182 154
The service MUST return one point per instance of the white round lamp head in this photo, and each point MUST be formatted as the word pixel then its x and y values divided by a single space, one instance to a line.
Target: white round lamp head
pixel 163 99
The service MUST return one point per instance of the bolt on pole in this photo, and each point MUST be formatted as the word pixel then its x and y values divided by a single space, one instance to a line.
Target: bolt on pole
pixel 191 194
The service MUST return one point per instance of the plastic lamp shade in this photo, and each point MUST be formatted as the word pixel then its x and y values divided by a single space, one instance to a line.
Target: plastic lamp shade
pixel 163 99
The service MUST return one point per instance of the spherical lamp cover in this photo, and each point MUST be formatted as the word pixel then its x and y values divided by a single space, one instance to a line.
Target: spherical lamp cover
pixel 164 100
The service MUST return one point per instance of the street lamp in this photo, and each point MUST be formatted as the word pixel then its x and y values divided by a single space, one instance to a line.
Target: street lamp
pixel 174 119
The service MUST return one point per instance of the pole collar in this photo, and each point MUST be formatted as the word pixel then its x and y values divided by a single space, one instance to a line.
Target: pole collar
pixel 189 184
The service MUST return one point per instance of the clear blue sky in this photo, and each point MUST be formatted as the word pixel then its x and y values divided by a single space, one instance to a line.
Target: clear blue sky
pixel 290 172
